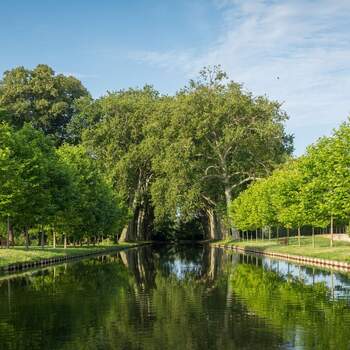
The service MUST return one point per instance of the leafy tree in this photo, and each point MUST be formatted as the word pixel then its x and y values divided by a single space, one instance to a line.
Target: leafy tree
pixel 288 197
pixel 326 166
pixel 118 142
pixel 88 113
pixel 28 163
pixel 215 140
pixel 41 97
pixel 94 210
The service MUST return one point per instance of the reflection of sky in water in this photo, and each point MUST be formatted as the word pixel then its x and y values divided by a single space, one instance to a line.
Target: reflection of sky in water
pixel 182 268
pixel 337 282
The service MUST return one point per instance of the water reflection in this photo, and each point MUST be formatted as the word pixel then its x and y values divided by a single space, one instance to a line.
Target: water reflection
pixel 170 297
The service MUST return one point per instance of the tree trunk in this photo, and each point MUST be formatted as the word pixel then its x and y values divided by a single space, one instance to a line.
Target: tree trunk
pixel 228 196
pixel 65 241
pixel 141 224
pixel 313 237
pixel 8 232
pixel 232 231
pixel 127 234
pixel 288 229
pixel 332 222
pixel 214 225
pixel 278 232
pixel 269 233
pixel 256 234
pixel 26 236
pixel 299 242
pixel 54 239
pixel 42 238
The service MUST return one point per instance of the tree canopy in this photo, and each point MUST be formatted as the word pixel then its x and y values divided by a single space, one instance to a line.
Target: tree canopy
pixel 312 190
pixel 161 162
pixel 41 97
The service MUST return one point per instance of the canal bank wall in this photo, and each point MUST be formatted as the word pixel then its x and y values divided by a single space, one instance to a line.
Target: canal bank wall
pixel 304 260
pixel 25 265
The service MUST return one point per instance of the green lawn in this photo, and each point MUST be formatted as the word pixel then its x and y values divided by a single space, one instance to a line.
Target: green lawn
pixel 340 250
pixel 21 254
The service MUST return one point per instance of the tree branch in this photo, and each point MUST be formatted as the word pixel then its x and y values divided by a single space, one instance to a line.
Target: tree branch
pixel 249 178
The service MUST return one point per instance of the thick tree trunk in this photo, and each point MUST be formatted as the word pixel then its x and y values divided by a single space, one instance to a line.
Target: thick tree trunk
pixel 228 196
pixel 65 241
pixel 53 239
pixel 129 231
pixel 214 225
pixel 233 232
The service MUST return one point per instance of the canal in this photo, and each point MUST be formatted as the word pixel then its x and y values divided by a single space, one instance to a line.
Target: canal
pixel 175 297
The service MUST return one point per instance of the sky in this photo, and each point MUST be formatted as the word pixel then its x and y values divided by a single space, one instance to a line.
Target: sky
pixel 293 51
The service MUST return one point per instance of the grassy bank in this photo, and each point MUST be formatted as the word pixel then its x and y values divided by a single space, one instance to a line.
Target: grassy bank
pixel 339 252
pixel 21 254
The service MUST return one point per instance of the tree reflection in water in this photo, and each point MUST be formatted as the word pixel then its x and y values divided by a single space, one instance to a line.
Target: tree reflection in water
pixel 174 297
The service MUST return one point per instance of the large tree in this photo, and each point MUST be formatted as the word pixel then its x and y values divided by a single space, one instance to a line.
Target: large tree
pixel 118 142
pixel 216 139
pixel 41 97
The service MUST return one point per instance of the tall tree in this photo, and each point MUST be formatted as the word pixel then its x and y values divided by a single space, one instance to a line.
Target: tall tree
pixel 217 139
pixel 41 97
pixel 118 142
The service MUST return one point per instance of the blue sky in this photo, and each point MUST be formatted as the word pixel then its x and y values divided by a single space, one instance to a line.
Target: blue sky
pixel 111 44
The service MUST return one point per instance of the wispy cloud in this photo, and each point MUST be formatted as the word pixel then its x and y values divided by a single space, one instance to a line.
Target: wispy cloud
pixel 294 51
pixel 80 75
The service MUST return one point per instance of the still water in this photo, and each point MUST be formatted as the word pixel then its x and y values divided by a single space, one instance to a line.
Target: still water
pixel 171 297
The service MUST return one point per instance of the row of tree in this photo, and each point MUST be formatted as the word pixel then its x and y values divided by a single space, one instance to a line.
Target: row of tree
pixel 183 158
pixel 171 160
pixel 48 190
pixel 313 191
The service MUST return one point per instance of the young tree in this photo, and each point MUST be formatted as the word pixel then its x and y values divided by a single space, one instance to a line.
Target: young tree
pixel 27 164
pixel 93 207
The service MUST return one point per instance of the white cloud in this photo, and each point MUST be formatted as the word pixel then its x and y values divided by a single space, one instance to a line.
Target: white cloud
pixel 81 75
pixel 304 43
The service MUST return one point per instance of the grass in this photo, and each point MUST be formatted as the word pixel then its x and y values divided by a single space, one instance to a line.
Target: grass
pixel 340 250
pixel 34 253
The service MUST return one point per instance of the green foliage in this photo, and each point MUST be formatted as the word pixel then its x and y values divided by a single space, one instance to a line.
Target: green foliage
pixel 27 170
pixel 94 208
pixel 214 139
pixel 306 191
pixel 60 190
pixel 119 143
pixel 180 158
pixel 41 97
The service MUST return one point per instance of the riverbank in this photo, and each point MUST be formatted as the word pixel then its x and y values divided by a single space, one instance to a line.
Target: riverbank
pixel 20 258
pixel 321 254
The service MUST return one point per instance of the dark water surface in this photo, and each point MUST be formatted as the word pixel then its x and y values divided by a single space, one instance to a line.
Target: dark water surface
pixel 171 297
